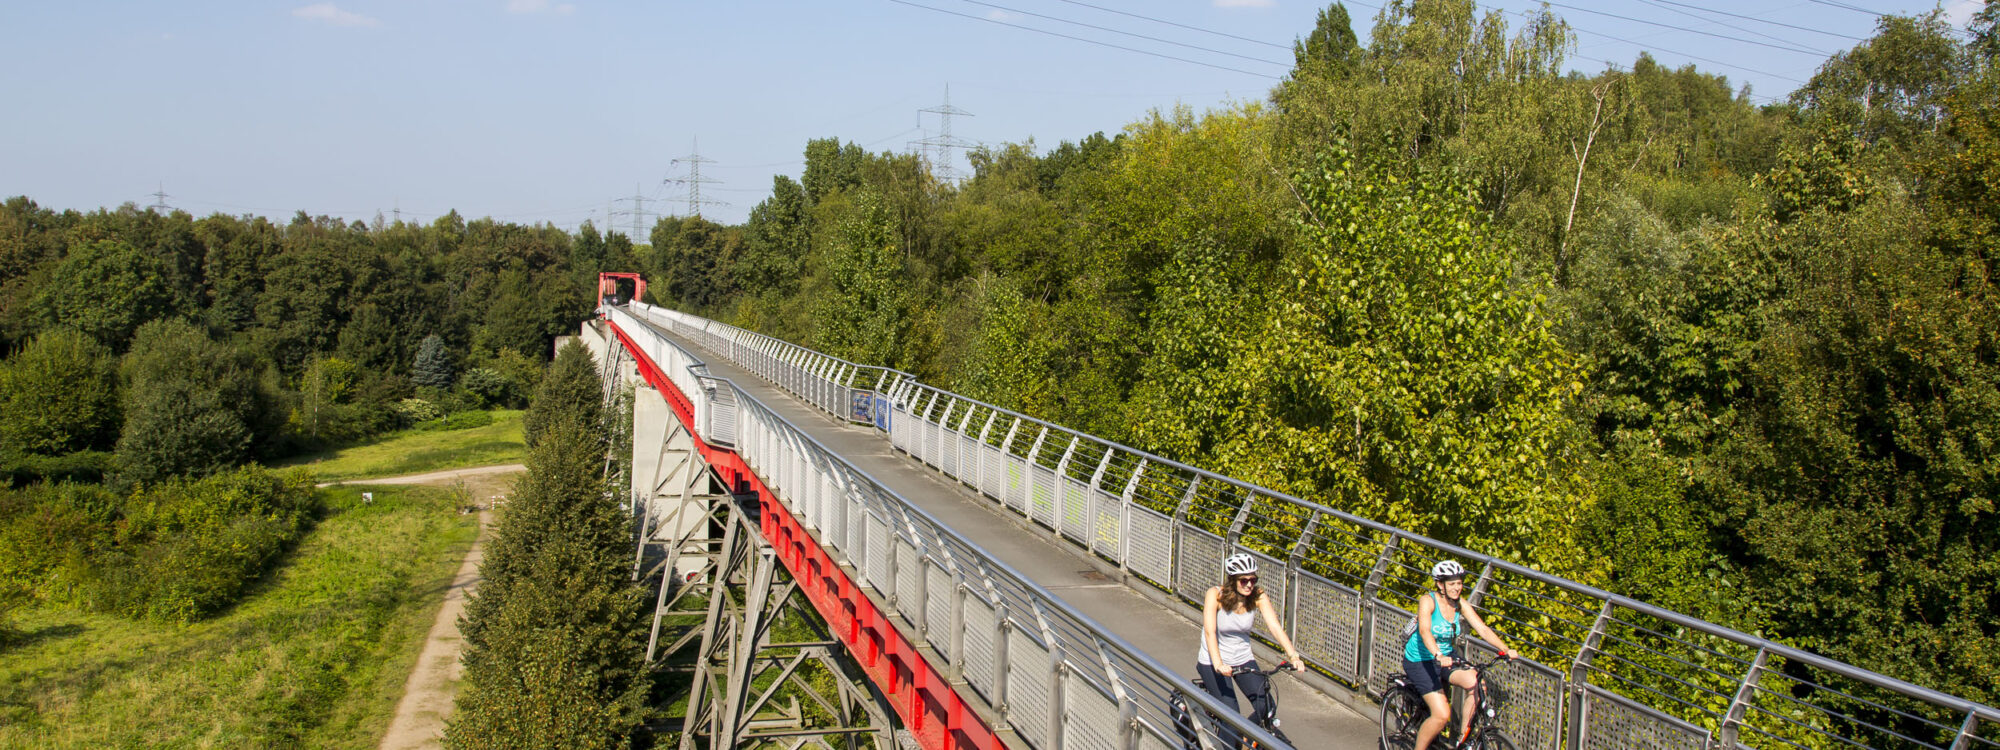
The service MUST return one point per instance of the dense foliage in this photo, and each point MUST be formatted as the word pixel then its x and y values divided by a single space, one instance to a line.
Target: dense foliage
pixel 177 551
pixel 554 634
pixel 142 345
pixel 1739 360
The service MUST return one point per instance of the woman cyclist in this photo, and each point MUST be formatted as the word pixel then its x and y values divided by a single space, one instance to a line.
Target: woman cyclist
pixel 1428 657
pixel 1228 616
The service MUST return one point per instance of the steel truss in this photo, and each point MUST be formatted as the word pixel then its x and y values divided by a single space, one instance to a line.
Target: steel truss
pixel 741 591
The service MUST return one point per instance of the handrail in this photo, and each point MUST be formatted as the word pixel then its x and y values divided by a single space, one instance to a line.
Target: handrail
pixel 1606 646
pixel 1106 655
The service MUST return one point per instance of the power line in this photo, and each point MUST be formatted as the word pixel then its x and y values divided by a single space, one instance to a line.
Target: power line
pixel 1727 25
pixel 1087 41
pixel 1130 34
pixel 1759 20
pixel 1794 50
pixel 1177 25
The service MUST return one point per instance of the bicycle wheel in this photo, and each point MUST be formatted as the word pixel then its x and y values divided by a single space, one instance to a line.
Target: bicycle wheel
pixel 1494 739
pixel 1402 711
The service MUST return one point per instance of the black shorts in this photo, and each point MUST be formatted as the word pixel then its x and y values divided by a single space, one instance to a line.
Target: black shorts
pixel 1426 676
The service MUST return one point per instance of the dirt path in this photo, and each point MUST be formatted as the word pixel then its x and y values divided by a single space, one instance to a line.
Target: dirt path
pixel 427 696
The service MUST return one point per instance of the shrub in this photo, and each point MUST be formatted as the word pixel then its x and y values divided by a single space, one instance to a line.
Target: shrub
pixel 188 549
pixel 415 411
pixel 490 388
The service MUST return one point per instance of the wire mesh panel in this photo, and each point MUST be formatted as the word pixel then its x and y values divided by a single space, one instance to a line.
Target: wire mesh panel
pixel 1200 563
pixel 1149 545
pixel 1027 685
pixel 1271 577
pixel 947 453
pixel 1387 642
pixel 1017 473
pixel 1328 625
pixel 1090 715
pixel 1530 697
pixel 980 651
pixel 1612 722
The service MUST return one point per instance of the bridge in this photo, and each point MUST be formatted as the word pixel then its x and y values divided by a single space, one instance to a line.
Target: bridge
pixel 979 578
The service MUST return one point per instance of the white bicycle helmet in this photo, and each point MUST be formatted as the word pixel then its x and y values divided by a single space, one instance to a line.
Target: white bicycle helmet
pixel 1239 564
pixel 1446 570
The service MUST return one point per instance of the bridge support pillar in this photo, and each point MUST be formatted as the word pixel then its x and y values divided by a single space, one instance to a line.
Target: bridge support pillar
pixel 669 480
pixel 756 653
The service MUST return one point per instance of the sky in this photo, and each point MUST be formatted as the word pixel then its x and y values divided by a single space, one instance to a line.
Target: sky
pixel 565 111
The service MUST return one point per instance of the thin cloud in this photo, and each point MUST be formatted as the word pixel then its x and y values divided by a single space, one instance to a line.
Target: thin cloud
pixel 329 14
pixel 1000 15
pixel 1959 12
pixel 1246 3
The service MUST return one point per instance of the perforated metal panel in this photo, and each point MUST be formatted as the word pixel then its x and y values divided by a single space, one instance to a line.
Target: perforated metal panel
pixel 1388 647
pixel 1149 548
pixel 1530 697
pixel 1075 517
pixel 1329 622
pixel 1149 739
pixel 1017 482
pixel 947 458
pixel 1107 528
pixel 938 587
pixel 1090 716
pixel 1043 483
pixel 1027 686
pixel 909 580
pixel 878 555
pixel 992 472
pixel 1614 722
pixel 1200 565
pixel 979 650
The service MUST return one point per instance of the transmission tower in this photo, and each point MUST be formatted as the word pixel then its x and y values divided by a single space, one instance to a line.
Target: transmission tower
pixel 638 212
pixel 693 181
pixel 160 200
pixel 945 166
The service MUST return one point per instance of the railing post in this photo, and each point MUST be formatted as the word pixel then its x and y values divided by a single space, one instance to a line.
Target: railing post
pixel 958 446
pixel 1365 661
pixel 1732 720
pixel 1059 486
pixel 1579 674
pixel 1478 593
pixel 979 466
pixel 1292 570
pixel 1180 521
pixel 1967 732
pixel 1125 518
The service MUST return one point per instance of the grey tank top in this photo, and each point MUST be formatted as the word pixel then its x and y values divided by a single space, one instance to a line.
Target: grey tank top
pixel 1232 636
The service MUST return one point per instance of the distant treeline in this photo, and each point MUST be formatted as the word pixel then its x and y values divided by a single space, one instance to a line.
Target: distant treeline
pixel 142 345
pixel 1739 360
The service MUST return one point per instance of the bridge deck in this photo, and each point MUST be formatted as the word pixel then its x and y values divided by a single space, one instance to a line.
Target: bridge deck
pixel 1312 719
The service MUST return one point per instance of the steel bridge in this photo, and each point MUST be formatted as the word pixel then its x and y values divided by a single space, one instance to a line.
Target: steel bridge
pixel 983 579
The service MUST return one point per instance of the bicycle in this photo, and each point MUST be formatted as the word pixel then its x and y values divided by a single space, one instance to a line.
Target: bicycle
pixel 1269 720
pixel 1403 709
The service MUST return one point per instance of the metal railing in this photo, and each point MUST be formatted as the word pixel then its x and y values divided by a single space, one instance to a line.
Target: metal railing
pixel 1604 671
pixel 1059 679
pixel 836 386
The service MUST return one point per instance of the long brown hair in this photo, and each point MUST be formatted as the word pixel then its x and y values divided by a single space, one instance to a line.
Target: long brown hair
pixel 1230 600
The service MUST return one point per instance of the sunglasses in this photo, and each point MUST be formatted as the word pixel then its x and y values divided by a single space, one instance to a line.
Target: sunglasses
pixel 1247 579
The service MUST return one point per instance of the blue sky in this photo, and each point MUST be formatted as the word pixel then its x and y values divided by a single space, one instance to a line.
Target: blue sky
pixel 561 110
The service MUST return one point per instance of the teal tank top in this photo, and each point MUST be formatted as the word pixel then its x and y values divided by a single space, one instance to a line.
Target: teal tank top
pixel 1444 631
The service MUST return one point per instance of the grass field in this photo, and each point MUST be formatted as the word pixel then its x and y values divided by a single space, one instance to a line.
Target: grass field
pixel 316 656
pixel 419 451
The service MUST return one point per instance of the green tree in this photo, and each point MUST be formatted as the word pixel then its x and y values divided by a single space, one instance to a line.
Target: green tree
pixel 863 312
pixel 433 368
pixel 192 405
pixel 107 289
pixel 569 393
pixel 58 395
